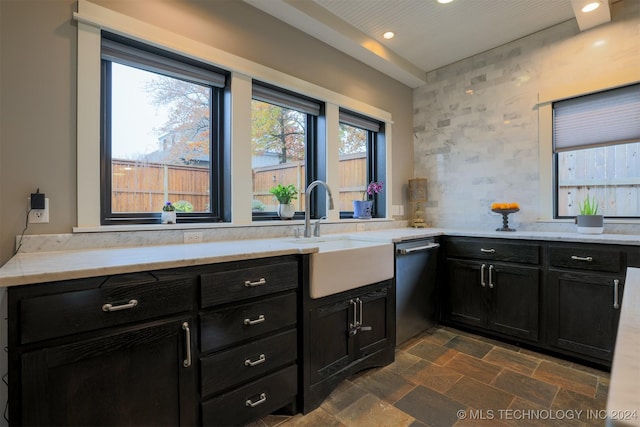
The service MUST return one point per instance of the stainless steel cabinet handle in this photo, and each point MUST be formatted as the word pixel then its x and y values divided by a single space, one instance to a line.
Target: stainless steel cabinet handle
pixel 110 307
pixel 261 359
pixel 360 309
pixel 616 284
pixel 490 276
pixel 261 400
pixel 581 258
pixel 418 248
pixel 250 284
pixel 487 251
pixel 482 282
pixel 187 334
pixel 355 314
pixel 259 319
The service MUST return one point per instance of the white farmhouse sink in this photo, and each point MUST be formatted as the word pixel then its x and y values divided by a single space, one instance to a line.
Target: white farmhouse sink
pixel 345 263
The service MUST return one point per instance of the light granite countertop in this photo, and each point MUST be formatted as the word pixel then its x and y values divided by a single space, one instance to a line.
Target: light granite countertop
pixel 39 267
pixel 623 400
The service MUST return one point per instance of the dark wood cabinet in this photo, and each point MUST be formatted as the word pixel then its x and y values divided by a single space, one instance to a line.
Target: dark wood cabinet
pixel 103 351
pixel 204 345
pixel 585 288
pixel 248 340
pixel 343 334
pixel 490 294
pixel 138 376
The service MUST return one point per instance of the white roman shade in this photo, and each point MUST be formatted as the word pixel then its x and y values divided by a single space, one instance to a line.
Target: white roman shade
pixel 604 118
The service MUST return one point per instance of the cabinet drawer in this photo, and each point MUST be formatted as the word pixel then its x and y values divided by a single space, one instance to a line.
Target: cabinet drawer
pixel 586 258
pixel 220 328
pixel 493 250
pixel 234 285
pixel 110 305
pixel 252 401
pixel 240 364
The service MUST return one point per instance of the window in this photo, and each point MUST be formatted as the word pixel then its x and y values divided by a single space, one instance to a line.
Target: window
pixel 284 148
pixel 596 143
pixel 361 150
pixel 162 138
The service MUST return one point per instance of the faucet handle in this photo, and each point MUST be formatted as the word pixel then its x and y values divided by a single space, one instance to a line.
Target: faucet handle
pixel 316 228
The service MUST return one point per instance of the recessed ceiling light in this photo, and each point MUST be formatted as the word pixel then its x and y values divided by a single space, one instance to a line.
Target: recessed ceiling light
pixel 444 1
pixel 388 35
pixel 589 7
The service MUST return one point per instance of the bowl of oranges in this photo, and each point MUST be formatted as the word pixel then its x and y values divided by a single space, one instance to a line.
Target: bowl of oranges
pixel 505 208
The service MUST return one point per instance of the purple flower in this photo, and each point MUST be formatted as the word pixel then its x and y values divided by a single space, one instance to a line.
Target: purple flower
pixel 372 188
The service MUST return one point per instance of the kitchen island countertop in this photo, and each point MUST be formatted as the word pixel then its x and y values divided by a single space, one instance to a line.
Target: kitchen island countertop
pixel 623 400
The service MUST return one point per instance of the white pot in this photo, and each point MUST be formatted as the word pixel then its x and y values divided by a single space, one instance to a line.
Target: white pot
pixel 286 211
pixel 168 217
pixel 590 224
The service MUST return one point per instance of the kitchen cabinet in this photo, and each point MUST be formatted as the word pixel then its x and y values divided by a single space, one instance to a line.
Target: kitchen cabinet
pixel 493 285
pixel 204 345
pixel 585 288
pixel 248 340
pixel 102 351
pixel 343 334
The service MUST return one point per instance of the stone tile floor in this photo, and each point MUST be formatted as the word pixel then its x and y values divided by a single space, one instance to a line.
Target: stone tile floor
pixel 445 377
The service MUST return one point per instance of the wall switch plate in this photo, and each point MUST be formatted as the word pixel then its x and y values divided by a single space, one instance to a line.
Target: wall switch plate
pixel 38 216
pixel 193 237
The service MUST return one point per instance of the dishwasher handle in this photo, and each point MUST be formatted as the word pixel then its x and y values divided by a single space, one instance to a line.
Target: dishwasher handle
pixel 418 248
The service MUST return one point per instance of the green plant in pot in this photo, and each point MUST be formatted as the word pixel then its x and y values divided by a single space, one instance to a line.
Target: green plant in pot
pixel 285 194
pixel 589 222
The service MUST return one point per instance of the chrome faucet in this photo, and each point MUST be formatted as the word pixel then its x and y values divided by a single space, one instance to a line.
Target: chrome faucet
pixel 307 213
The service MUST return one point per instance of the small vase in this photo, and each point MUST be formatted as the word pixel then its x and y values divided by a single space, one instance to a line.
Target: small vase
pixel 590 224
pixel 286 211
pixel 362 209
pixel 168 217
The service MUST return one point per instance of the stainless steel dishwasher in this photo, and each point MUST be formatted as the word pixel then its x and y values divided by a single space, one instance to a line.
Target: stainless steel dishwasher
pixel 416 262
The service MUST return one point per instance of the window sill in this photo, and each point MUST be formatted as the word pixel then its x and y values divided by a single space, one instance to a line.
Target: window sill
pixel 217 225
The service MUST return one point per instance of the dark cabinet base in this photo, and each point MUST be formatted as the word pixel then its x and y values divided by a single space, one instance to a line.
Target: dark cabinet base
pixel 333 349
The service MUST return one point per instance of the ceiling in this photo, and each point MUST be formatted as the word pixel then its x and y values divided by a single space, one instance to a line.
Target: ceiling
pixel 428 35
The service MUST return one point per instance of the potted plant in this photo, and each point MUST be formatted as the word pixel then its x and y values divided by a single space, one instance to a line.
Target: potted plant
pixel 284 195
pixel 589 222
pixel 362 209
pixel 168 214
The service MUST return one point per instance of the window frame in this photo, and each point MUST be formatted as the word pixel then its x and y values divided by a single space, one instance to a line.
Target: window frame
pixel 376 158
pixel 177 67
pixel 574 147
pixel 315 142
pixel 546 96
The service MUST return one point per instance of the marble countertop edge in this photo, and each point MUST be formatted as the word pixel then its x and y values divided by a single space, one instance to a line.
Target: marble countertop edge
pixel 38 267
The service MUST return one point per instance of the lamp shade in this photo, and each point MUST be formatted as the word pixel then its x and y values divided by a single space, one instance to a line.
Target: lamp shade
pixel 418 190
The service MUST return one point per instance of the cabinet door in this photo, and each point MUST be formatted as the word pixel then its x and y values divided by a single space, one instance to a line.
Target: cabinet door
pixel 514 295
pixel 377 315
pixel 466 290
pixel 330 348
pixel 135 377
pixel 583 312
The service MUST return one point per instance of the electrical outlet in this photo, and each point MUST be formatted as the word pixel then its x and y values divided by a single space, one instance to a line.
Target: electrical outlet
pixel 38 216
pixel 193 237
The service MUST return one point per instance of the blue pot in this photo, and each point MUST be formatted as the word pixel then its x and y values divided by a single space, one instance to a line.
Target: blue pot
pixel 362 209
